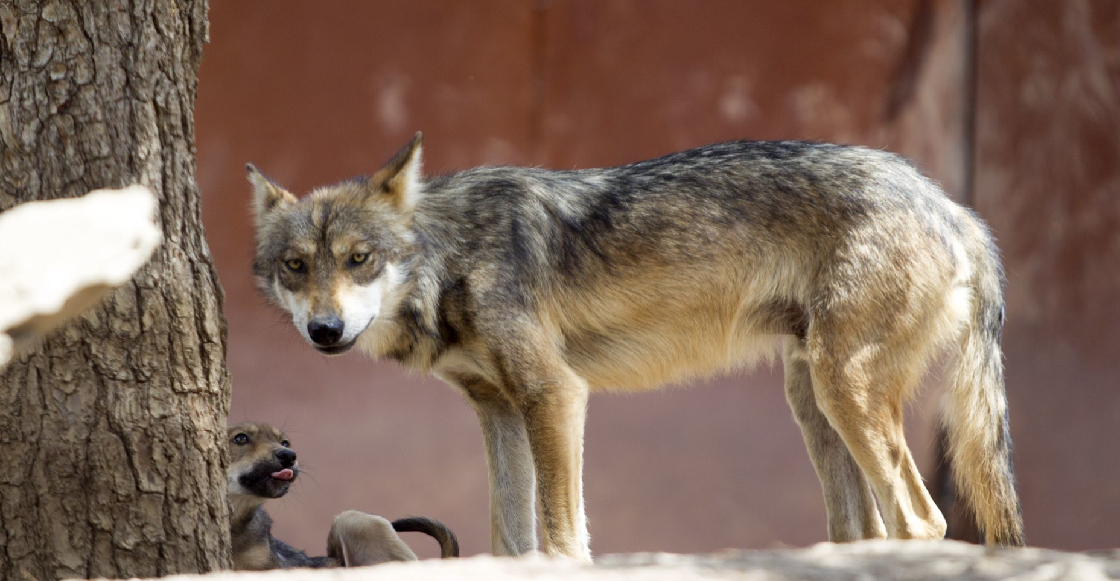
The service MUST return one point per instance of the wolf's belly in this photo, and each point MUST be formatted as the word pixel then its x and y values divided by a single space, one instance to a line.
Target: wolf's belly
pixel 644 358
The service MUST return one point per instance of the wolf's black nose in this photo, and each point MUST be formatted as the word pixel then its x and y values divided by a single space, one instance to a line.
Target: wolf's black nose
pixel 286 457
pixel 326 331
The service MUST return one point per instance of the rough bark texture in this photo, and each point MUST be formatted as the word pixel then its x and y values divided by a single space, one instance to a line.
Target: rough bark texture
pixel 111 433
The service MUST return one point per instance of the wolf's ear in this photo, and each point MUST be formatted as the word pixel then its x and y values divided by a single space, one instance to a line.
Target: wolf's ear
pixel 267 196
pixel 400 178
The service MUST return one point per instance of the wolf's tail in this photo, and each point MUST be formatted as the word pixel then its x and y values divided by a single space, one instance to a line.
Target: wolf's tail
pixel 448 544
pixel 975 415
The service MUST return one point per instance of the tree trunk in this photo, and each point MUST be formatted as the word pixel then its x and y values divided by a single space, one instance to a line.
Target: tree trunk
pixel 112 432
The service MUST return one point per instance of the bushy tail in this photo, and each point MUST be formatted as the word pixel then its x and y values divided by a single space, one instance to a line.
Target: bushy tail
pixel 448 544
pixel 975 415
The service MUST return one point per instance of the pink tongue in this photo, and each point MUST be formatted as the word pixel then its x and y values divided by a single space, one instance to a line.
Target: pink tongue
pixel 285 474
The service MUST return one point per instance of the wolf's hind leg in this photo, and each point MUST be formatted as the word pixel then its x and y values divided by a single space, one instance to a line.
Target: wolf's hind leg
pixel 852 514
pixel 860 387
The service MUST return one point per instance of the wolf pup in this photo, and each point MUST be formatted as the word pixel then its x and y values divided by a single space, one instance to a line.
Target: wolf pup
pixel 263 466
pixel 527 288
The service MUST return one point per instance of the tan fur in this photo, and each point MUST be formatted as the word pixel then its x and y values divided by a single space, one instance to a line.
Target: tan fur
pixel 256 558
pixel 249 525
pixel 362 539
pixel 264 440
pixel 355 539
pixel 527 289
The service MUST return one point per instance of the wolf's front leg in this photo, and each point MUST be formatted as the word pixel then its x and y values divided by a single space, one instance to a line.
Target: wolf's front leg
pixel 552 399
pixel 554 416
pixel 510 464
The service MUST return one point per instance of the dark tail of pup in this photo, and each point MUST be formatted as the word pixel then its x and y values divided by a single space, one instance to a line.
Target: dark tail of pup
pixel 448 544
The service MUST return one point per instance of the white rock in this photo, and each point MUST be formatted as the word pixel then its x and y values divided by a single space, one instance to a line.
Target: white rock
pixel 861 561
pixel 60 257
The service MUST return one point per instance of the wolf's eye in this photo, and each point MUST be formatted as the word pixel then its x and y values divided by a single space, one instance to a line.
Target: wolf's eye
pixel 359 257
pixel 294 265
pixel 285 444
pixel 241 439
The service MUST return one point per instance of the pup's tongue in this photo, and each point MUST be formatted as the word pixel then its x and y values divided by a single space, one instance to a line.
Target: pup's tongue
pixel 285 474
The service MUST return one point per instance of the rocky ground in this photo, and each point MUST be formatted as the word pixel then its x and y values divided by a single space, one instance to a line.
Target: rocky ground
pixel 865 561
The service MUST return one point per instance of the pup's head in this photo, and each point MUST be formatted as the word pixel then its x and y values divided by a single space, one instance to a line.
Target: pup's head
pixel 333 259
pixel 262 464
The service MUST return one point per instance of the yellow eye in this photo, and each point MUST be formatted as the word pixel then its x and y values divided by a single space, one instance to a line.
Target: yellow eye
pixel 294 265
pixel 359 257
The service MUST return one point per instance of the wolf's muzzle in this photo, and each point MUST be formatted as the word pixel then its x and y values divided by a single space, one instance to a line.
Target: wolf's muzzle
pixel 325 331
pixel 286 457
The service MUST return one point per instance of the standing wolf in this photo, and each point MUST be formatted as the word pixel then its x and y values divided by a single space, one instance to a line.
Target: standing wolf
pixel 528 288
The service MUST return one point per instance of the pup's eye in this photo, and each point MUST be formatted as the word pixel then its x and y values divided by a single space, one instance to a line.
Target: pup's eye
pixel 241 439
pixel 294 265
pixel 359 257
pixel 285 444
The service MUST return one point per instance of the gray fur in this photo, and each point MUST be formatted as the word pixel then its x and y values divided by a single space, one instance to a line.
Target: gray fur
pixel 526 288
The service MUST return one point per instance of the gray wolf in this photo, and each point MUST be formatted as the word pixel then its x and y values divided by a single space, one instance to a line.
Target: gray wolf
pixel 528 288
pixel 263 466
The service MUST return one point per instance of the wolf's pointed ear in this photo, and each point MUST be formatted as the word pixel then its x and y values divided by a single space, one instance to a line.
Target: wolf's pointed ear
pixel 400 178
pixel 267 196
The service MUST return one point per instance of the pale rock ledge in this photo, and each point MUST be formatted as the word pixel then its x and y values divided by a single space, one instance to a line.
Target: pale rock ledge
pixel 863 561
pixel 59 257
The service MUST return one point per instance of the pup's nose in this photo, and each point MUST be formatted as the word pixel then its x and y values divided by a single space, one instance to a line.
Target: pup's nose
pixel 326 331
pixel 286 456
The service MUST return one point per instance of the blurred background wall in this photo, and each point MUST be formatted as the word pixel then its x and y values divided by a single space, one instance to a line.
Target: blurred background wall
pixel 1013 105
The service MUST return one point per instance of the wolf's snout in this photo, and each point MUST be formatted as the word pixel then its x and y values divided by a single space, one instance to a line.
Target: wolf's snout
pixel 287 457
pixel 326 331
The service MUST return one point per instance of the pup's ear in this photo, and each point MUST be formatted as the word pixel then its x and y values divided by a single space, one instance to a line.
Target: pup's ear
pixel 267 196
pixel 399 179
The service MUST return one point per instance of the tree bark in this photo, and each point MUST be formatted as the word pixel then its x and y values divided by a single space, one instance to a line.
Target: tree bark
pixel 112 432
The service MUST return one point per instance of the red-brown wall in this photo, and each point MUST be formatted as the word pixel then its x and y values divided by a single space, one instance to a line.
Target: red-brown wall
pixel 1022 96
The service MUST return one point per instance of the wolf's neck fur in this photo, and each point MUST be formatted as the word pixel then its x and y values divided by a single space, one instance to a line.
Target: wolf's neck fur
pixel 250 532
pixel 413 333
pixel 242 508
